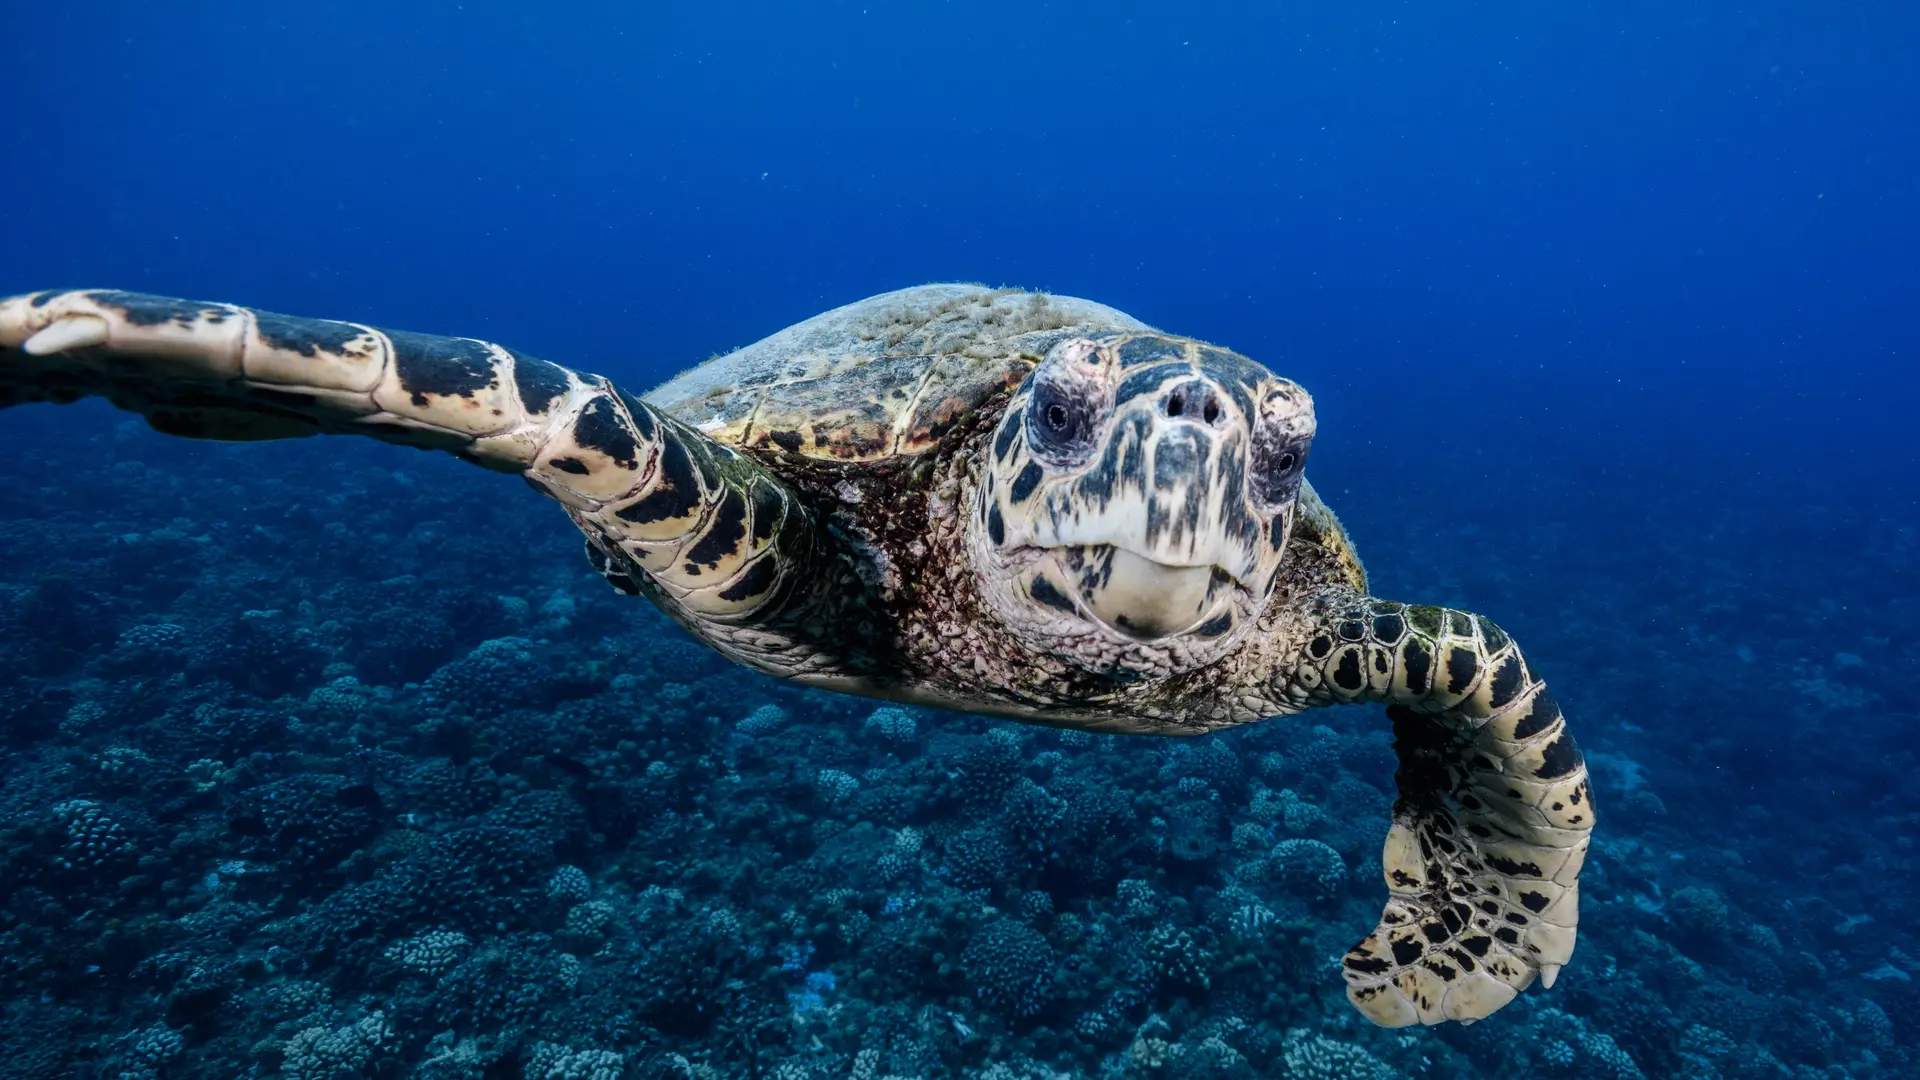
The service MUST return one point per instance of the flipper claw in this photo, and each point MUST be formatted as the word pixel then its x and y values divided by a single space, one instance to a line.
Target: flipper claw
pixel 64 334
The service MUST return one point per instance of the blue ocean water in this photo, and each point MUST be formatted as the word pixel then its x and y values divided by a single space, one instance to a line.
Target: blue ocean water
pixel 326 758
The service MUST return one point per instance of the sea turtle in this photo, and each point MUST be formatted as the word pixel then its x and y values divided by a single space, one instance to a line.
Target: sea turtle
pixel 991 500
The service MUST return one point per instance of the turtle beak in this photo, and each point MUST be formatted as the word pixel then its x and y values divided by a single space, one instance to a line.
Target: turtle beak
pixel 1132 594
pixel 1145 599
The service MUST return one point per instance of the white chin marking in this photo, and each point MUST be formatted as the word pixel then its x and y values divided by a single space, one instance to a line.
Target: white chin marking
pixel 1145 599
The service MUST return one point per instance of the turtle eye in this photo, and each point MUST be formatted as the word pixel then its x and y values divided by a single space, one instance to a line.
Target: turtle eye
pixel 1274 478
pixel 1277 453
pixel 1061 425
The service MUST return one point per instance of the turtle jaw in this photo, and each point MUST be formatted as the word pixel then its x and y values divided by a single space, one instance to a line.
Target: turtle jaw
pixel 1132 595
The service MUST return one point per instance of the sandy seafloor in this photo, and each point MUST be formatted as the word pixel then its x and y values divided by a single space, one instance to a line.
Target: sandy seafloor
pixel 331 759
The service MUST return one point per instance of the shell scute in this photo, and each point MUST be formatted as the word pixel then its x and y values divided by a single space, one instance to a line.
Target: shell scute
pixel 850 414
pixel 954 388
pixel 884 377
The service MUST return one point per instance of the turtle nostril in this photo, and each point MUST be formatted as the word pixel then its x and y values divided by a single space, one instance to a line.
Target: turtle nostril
pixel 1194 399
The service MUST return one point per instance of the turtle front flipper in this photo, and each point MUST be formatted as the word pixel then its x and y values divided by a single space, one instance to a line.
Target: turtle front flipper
pixel 714 532
pixel 1490 831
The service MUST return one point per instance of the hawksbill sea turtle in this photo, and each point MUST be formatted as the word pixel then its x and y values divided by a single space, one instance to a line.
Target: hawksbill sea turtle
pixel 991 500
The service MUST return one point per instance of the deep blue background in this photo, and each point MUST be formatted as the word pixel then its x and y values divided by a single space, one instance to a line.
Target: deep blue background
pixel 1616 288
pixel 1610 232
pixel 1607 308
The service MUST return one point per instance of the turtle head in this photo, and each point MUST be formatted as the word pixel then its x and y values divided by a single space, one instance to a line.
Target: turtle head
pixel 1136 501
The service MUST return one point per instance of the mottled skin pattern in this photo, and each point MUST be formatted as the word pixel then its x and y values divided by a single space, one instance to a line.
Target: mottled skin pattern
pixel 1029 506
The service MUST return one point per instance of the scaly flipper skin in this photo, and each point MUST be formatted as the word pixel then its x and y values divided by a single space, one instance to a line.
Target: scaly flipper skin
pixel 709 531
pixel 1490 831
